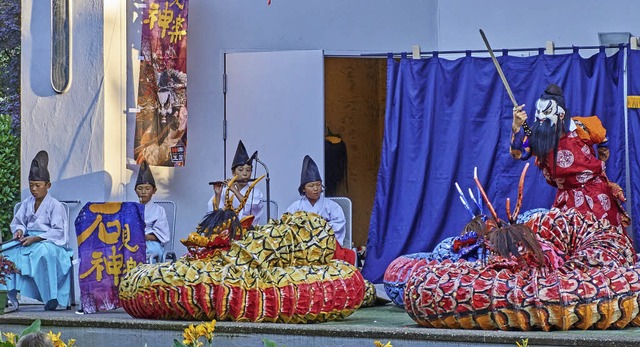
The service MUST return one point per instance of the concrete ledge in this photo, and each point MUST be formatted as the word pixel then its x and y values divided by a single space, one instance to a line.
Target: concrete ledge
pixel 363 327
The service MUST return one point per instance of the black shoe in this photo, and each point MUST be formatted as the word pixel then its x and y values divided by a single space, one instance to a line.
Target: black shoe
pixel 51 305
pixel 170 256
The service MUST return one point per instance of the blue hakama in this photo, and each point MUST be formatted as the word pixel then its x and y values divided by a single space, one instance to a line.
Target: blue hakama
pixel 45 270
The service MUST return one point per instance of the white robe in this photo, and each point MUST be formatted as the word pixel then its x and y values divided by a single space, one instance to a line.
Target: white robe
pixel 255 205
pixel 329 210
pixel 156 223
pixel 51 218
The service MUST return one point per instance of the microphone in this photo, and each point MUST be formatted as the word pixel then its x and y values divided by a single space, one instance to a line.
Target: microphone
pixel 252 158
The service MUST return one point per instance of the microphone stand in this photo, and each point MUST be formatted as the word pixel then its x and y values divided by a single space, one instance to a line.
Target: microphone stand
pixel 268 187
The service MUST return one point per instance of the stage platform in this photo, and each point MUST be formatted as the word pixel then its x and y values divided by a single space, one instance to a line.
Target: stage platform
pixel 384 323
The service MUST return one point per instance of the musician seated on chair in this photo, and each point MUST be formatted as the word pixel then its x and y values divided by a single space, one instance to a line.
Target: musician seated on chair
pixel 242 168
pixel 156 231
pixel 40 237
pixel 311 199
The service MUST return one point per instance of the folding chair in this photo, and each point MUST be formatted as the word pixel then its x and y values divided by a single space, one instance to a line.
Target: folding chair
pixel 171 211
pixel 273 210
pixel 345 203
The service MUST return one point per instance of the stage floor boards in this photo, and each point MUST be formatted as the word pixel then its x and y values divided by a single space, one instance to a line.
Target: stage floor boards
pixel 383 323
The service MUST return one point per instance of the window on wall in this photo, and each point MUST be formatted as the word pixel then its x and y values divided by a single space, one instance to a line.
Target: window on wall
pixel 60 45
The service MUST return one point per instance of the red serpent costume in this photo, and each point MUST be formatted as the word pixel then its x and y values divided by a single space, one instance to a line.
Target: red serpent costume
pixel 566 271
pixel 596 287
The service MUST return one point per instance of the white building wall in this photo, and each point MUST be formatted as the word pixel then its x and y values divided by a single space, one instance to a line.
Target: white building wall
pixel 83 131
pixel 69 126
pixel 524 24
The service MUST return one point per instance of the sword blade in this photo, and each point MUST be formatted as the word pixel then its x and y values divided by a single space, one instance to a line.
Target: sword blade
pixel 499 69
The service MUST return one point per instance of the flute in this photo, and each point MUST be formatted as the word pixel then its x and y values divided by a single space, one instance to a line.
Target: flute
pixel 215 183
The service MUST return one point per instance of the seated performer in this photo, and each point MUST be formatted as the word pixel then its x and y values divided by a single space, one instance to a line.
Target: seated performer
pixel 41 233
pixel 156 231
pixel 242 168
pixel 564 151
pixel 311 199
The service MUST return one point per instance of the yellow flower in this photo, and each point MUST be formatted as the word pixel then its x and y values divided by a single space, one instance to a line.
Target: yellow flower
pixel 11 337
pixel 210 327
pixel 201 331
pixel 57 342
pixel 56 339
pixel 379 344
pixel 53 336
pixel 190 335
pixel 206 330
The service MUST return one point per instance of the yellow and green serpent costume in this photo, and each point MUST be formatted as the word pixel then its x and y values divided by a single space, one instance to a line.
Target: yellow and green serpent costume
pixel 281 272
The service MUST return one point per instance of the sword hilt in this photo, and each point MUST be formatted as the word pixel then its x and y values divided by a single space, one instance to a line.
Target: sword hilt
pixel 527 130
pixel 525 125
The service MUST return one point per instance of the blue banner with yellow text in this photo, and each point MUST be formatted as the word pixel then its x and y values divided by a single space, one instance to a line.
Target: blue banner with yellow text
pixel 110 243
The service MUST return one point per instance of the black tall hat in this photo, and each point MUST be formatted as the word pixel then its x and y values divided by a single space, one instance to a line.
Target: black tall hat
pixel 554 92
pixel 241 157
pixel 38 170
pixel 145 176
pixel 310 173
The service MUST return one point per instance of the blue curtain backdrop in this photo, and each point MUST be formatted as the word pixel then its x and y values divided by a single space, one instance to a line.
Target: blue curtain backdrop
pixel 633 68
pixel 445 117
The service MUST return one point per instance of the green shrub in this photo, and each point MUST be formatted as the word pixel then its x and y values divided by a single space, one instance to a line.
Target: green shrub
pixel 9 174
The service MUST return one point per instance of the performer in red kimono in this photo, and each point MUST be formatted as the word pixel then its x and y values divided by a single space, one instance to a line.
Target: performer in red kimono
pixel 564 151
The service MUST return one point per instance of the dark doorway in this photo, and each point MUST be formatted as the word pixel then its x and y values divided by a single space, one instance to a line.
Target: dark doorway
pixel 355 96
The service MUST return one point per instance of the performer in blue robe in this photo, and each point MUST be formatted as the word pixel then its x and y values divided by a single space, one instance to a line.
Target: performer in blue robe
pixel 40 245
pixel 156 231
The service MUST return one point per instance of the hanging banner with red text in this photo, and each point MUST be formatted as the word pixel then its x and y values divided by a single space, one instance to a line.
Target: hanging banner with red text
pixel 110 243
pixel 161 121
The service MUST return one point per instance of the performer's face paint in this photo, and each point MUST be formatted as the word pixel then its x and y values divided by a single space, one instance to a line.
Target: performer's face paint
pixel 547 129
pixel 165 100
pixel 548 109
